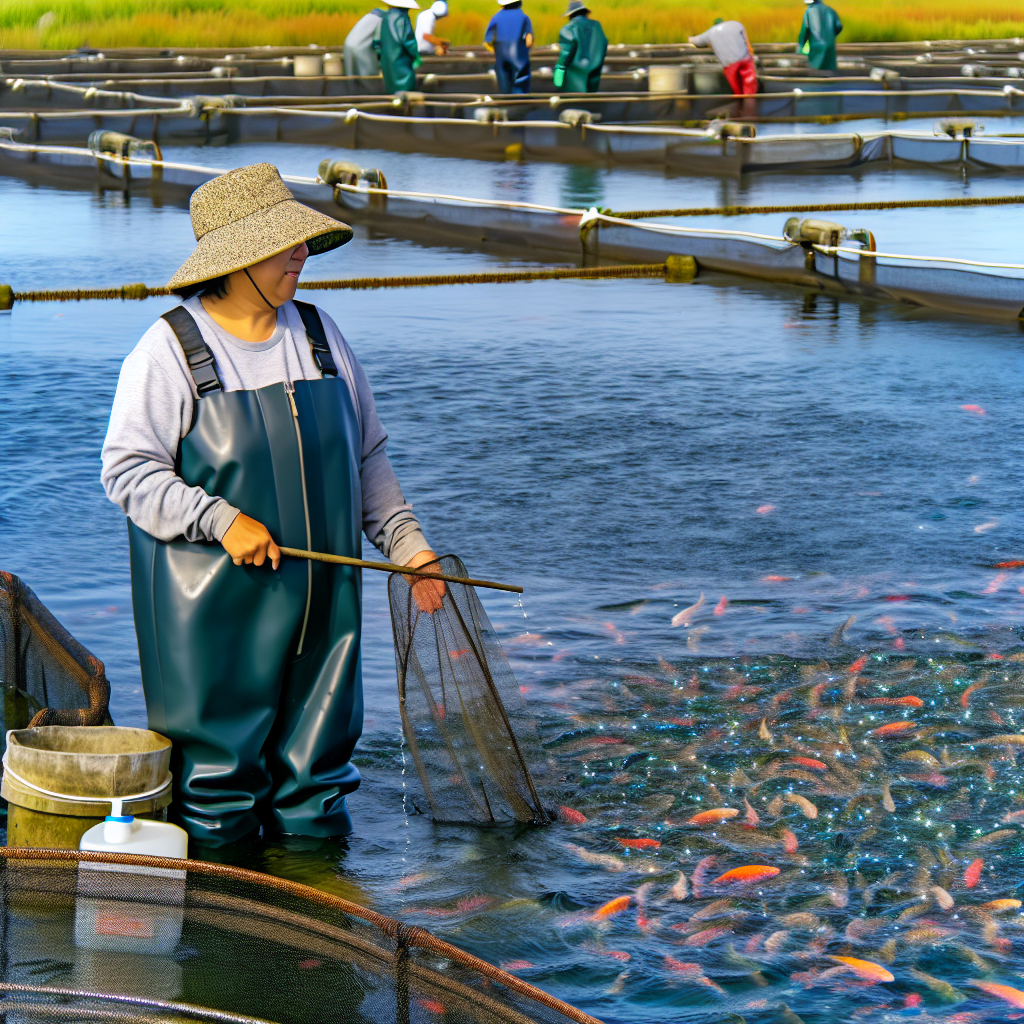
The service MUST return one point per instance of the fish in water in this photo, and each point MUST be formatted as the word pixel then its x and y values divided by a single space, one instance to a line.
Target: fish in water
pixel 686 616
pixel 612 907
pixel 640 844
pixel 1013 996
pixel 723 603
pixel 865 969
pixel 747 874
pixel 713 817
pixel 972 874
pixel 602 860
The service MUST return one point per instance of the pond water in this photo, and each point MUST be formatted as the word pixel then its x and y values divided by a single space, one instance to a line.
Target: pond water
pixel 836 482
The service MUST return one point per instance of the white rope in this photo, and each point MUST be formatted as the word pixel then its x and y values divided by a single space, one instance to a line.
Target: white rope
pixel 829 250
pixel 116 802
pixel 509 203
pixel 678 229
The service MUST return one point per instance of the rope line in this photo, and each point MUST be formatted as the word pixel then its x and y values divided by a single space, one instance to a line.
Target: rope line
pixel 893 204
pixel 142 291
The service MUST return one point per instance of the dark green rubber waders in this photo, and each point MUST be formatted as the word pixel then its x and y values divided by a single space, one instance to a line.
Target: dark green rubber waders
pixel 254 674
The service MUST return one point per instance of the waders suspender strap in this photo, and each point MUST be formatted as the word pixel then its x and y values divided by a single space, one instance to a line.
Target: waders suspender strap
pixel 199 357
pixel 322 355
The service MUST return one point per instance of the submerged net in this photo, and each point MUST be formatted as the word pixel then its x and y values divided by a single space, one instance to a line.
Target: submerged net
pixel 468 730
pixel 123 938
pixel 49 678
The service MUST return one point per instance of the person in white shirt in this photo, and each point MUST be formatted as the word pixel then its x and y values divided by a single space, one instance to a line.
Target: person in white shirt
pixel 426 22
pixel 729 41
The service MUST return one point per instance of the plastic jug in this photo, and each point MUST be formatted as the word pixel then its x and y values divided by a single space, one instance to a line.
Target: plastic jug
pixel 130 908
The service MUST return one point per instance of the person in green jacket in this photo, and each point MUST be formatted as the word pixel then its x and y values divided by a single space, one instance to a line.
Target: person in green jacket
pixel 818 35
pixel 582 47
pixel 397 47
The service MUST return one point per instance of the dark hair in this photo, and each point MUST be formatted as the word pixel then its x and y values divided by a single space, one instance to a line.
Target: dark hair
pixel 217 287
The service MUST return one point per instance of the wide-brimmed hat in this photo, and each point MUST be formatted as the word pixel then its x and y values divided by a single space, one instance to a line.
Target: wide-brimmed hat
pixel 246 216
pixel 576 7
pixel 505 3
pixel 409 4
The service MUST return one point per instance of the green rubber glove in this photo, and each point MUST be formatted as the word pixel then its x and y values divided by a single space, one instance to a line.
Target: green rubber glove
pixel 807 47
pixel 559 77
pixel 416 63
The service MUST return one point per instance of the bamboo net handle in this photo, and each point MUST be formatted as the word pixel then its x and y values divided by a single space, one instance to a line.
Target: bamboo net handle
pixel 319 556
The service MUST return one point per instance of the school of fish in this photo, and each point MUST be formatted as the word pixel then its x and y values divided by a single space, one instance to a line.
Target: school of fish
pixel 765 839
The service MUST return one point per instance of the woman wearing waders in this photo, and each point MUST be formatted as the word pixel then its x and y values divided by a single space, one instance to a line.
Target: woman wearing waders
pixel 242 420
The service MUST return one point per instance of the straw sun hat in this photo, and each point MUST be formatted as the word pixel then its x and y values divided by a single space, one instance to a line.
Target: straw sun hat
pixel 244 217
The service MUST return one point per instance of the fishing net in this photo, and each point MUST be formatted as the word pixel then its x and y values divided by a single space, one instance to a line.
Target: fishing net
pixel 472 739
pixel 122 938
pixel 49 678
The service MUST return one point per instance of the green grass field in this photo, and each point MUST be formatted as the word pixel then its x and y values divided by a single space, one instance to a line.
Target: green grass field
pixel 69 24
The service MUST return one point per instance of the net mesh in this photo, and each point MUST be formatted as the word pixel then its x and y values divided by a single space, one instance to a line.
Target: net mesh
pixel 472 739
pixel 110 937
pixel 49 678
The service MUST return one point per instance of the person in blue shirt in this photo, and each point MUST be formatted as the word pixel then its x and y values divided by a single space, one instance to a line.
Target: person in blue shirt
pixel 509 37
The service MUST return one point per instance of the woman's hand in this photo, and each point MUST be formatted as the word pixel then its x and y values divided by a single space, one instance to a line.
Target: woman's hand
pixel 250 542
pixel 428 593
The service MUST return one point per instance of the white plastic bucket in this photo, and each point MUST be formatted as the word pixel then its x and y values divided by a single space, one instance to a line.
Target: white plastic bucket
pixel 309 65
pixel 667 78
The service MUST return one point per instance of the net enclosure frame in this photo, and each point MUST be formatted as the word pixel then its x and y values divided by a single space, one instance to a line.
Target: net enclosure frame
pixel 49 678
pixel 420 966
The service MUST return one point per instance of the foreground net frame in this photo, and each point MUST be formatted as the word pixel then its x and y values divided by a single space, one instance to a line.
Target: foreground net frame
pixel 422 969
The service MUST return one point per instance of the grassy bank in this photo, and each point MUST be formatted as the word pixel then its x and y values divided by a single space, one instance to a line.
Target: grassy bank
pixel 69 24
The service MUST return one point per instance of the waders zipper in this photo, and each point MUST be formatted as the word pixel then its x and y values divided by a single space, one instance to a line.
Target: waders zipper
pixel 290 389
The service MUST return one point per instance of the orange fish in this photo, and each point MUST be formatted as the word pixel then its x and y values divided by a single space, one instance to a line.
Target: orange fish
pixel 752 819
pixel 1017 563
pixel 973 873
pixel 966 695
pixel 612 907
pixel 789 841
pixel 893 729
pixel 640 844
pixel 432 1006
pixel 864 969
pixel 723 603
pixel 713 817
pixel 1013 996
pixel 747 873
pixel 857 665
pixel 786 579
pixel 976 409
pixel 573 817
pixel 763 510
pixel 1001 906
pixel 458 654
pixel 895 702
pixel 808 762
pixel 708 935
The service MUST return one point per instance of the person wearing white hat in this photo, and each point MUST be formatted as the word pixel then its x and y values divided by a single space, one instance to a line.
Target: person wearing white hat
pixel 818 34
pixel 509 37
pixel 399 54
pixel 426 21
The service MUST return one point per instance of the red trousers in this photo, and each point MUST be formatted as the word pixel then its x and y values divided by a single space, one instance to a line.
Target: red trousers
pixel 742 77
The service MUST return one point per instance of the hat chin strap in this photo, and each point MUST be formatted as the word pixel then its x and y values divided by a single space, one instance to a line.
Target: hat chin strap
pixel 245 270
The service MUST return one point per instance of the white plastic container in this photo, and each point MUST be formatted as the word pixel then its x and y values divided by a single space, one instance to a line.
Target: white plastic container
pixel 125 834
pixel 308 65
pixel 333 65
pixel 667 78
pixel 130 908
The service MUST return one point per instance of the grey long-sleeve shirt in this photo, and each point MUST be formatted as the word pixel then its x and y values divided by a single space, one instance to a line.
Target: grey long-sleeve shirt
pixel 728 39
pixel 153 409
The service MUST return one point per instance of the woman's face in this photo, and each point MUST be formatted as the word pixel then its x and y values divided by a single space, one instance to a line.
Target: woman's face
pixel 278 276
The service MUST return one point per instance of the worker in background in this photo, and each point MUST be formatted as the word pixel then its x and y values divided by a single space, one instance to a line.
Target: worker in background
pixel 729 41
pixel 509 37
pixel 399 54
pixel 426 21
pixel 818 35
pixel 581 48
pixel 361 58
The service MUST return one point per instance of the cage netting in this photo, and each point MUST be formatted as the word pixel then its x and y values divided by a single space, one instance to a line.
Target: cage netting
pixel 467 727
pixel 128 939
pixel 49 678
